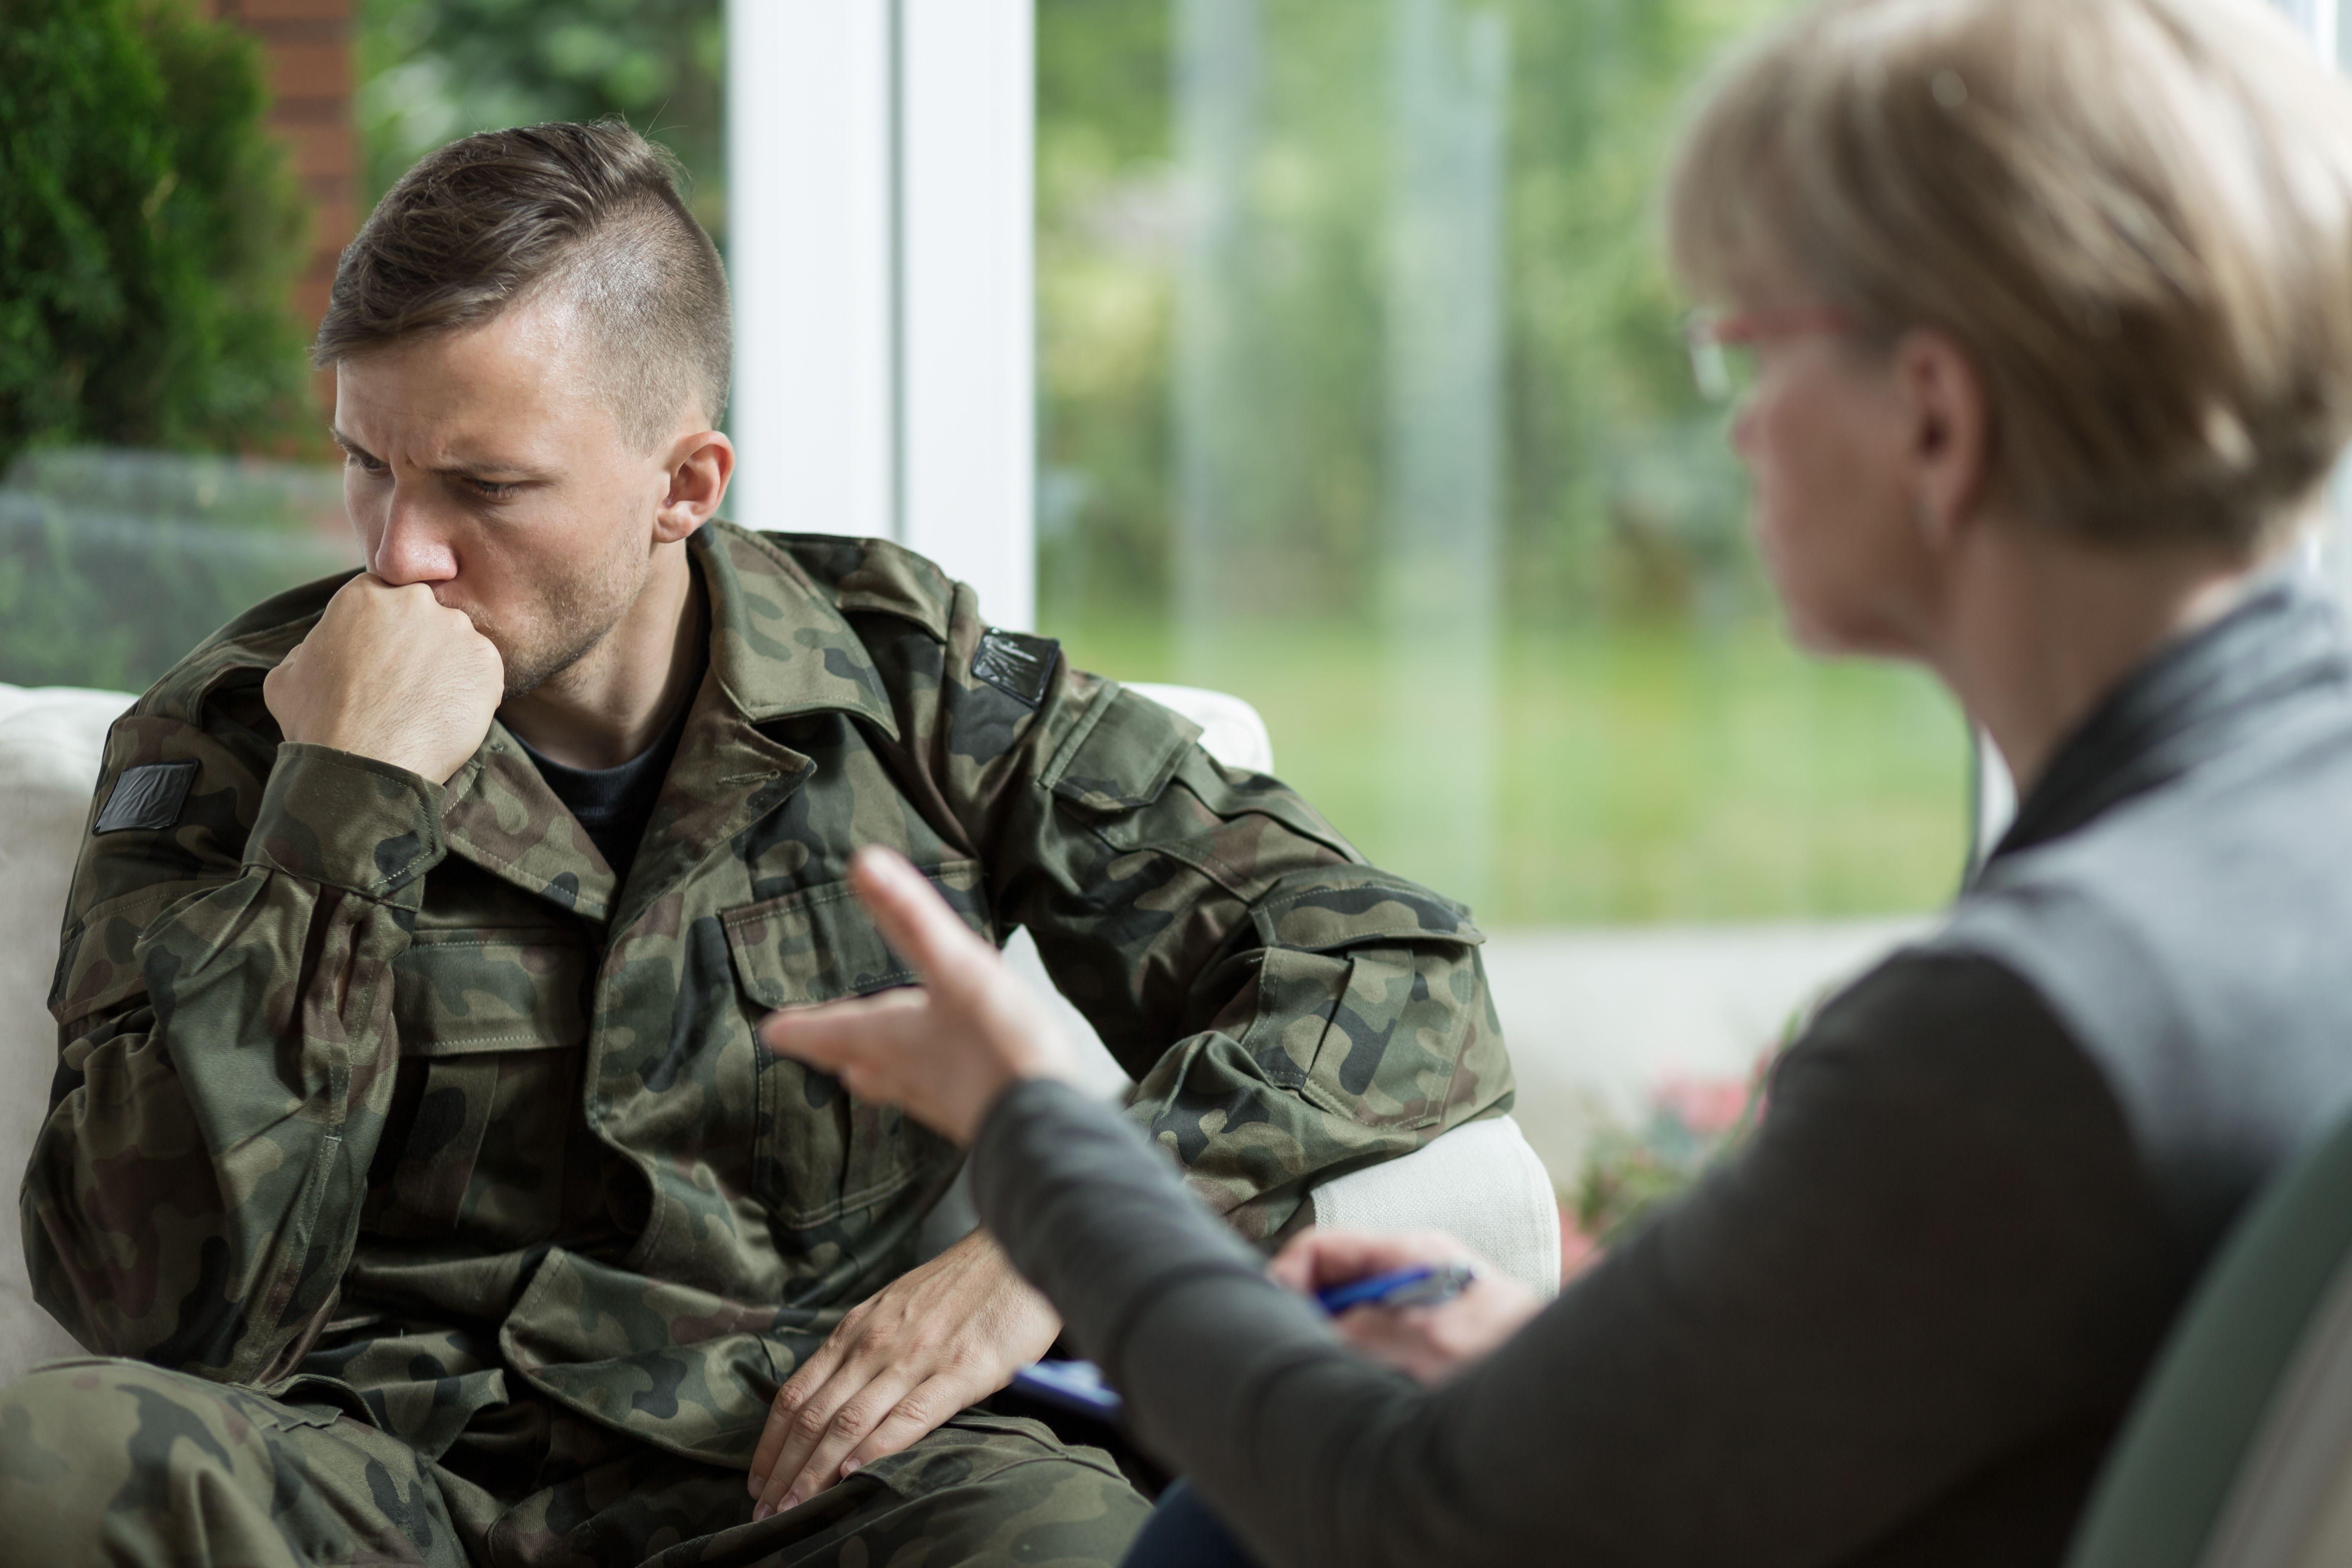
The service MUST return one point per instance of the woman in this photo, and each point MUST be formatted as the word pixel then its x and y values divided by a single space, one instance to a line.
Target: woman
pixel 2052 309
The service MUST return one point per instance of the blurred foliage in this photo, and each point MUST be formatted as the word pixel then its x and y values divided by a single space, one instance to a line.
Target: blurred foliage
pixel 434 70
pixel 1642 770
pixel 149 233
pixel 1216 303
pixel 1631 1173
pixel 1619 495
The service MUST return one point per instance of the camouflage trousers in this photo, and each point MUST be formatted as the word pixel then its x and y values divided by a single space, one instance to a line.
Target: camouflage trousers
pixel 118 1462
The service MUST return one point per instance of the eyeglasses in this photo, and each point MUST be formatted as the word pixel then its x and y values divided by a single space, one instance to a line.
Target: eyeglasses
pixel 1721 345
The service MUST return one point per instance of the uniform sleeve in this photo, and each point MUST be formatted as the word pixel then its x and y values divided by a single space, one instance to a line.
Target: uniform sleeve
pixel 228 1053
pixel 1288 1011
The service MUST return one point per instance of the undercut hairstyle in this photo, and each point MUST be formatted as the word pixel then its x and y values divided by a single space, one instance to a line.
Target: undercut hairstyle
pixel 586 213
pixel 2134 216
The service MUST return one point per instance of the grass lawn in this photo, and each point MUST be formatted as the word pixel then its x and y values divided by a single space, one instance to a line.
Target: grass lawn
pixel 1634 772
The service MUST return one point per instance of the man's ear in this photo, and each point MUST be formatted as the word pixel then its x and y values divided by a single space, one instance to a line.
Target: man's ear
pixel 1949 432
pixel 700 466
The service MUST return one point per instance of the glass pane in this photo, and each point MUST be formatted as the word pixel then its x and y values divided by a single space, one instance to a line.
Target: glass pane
pixel 164 463
pixel 1364 398
pixel 114 563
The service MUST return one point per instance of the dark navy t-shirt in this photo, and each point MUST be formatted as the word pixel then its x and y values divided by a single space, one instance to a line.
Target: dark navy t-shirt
pixel 615 804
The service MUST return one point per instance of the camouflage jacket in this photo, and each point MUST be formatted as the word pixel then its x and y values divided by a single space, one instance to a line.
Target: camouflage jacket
pixel 381 1092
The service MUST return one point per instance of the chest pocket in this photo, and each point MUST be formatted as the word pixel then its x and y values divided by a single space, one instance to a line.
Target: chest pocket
pixel 819 1153
pixel 492 1025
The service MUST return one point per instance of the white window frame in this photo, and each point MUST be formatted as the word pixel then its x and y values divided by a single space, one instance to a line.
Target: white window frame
pixel 2317 20
pixel 880 220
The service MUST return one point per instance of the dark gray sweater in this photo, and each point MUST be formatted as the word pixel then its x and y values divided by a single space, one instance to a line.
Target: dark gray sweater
pixel 1902 1324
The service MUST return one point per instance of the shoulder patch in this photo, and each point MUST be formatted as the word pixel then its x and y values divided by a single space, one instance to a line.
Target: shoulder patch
pixel 147 798
pixel 1017 664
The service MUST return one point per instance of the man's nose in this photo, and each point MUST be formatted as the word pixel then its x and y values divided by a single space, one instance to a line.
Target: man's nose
pixel 412 548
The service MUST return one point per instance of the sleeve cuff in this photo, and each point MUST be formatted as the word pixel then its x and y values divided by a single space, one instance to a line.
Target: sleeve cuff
pixel 348 822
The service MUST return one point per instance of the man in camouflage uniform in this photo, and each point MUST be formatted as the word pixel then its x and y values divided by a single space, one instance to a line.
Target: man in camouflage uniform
pixel 413 1172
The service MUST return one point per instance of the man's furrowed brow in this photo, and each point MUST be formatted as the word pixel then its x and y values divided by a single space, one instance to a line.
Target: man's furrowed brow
pixel 490 470
pixel 501 470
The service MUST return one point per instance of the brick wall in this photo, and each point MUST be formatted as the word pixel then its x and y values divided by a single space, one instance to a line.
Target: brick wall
pixel 306 49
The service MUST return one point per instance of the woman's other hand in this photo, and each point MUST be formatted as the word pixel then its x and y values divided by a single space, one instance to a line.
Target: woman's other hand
pixel 1430 1343
pixel 945 1051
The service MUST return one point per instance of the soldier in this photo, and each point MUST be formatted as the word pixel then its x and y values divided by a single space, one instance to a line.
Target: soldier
pixel 412 1170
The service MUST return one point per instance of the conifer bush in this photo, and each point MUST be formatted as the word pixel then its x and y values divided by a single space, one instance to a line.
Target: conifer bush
pixel 149 233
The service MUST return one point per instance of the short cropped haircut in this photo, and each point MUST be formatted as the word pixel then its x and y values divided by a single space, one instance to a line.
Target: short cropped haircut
pixel 589 212
pixel 2135 215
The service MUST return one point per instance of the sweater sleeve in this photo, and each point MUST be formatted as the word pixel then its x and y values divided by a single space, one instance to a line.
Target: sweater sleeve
pixel 1939 1252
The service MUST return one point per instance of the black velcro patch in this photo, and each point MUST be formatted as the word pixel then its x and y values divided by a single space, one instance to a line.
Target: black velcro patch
pixel 1017 664
pixel 148 797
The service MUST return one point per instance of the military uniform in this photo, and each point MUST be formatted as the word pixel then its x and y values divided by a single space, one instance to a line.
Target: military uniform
pixel 434 1178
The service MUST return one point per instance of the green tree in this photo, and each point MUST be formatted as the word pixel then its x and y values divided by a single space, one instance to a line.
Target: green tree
pixel 149 233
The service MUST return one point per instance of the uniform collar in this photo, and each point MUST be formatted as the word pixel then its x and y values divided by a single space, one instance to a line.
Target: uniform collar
pixel 778 645
pixel 2204 694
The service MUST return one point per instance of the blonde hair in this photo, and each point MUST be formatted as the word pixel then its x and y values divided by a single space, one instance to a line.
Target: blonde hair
pixel 2135 215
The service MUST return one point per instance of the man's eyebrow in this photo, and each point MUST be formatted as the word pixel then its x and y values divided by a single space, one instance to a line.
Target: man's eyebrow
pixel 482 469
pixel 507 472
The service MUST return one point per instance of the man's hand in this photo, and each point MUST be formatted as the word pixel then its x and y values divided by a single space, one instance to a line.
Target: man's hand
pixel 946 1051
pixel 956 1328
pixel 389 673
pixel 1429 1344
pixel 931 1341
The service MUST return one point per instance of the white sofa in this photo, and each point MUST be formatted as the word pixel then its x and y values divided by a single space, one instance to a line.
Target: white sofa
pixel 49 744
pixel 1481 1181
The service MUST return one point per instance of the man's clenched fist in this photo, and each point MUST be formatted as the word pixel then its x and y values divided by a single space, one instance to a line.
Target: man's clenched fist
pixel 389 673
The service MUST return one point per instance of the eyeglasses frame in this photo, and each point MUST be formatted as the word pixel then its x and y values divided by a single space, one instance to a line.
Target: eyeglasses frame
pixel 1707 333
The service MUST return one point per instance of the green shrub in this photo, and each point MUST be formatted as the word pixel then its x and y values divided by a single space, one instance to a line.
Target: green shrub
pixel 434 70
pixel 149 233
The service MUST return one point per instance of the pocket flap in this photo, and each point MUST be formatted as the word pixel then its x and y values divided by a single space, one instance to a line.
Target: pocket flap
pixel 819 944
pixel 1348 906
pixel 1122 753
pixel 456 993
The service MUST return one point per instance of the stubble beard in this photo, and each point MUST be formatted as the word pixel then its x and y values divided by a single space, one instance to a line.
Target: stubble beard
pixel 575 614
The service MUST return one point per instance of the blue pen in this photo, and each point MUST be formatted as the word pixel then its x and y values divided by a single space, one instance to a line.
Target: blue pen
pixel 1421 1285
pixel 1079 1385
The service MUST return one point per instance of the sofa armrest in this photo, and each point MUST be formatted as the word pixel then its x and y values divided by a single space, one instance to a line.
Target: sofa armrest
pixel 1480 1184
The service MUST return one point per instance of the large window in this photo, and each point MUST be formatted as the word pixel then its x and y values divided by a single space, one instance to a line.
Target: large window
pixel 1340 337
pixel 1362 396
pixel 1358 393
